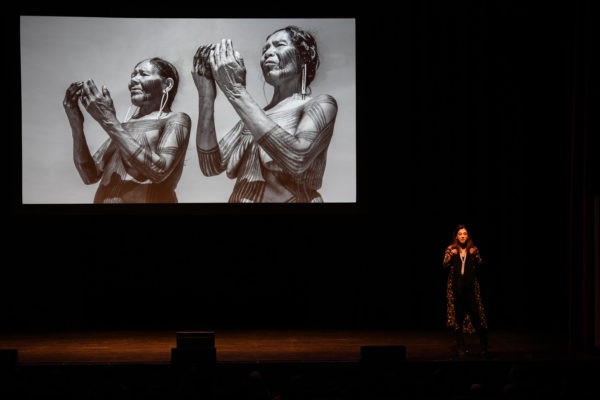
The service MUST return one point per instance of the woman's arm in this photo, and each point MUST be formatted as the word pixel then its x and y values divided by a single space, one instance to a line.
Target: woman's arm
pixel 206 137
pixel 157 166
pixel 84 162
pixel 209 155
pixel 294 153
pixel 476 255
pixel 450 251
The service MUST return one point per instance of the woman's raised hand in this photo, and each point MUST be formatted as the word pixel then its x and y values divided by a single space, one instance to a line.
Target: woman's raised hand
pixel 98 104
pixel 202 73
pixel 228 68
pixel 71 106
pixel 202 62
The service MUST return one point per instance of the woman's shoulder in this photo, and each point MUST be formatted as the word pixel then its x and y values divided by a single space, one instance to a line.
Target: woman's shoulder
pixel 323 103
pixel 324 99
pixel 179 117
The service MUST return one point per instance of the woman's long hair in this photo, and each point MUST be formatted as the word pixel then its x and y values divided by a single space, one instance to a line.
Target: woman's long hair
pixel 455 243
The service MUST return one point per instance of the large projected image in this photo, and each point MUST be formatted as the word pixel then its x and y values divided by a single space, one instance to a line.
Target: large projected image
pixel 140 110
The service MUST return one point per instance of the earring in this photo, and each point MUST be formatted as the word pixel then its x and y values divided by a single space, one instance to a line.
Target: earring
pixel 129 114
pixel 163 102
pixel 303 81
pixel 127 117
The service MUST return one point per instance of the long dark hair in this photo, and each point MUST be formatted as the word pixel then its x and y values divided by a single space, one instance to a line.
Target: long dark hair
pixel 455 243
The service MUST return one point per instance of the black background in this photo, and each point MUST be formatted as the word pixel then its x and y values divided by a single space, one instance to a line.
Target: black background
pixel 463 114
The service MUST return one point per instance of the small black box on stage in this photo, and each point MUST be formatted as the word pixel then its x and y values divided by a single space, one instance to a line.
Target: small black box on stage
pixel 8 359
pixel 195 347
pixel 207 356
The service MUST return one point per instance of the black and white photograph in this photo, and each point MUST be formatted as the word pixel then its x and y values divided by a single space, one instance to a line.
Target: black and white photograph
pixel 188 110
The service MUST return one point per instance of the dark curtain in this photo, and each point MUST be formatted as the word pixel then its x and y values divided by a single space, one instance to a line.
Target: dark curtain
pixel 583 194
pixel 490 94
pixel 487 149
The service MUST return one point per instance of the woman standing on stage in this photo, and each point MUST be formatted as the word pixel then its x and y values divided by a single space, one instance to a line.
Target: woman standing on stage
pixel 465 311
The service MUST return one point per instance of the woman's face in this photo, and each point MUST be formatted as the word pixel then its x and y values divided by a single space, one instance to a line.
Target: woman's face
pixel 145 84
pixel 278 60
pixel 462 236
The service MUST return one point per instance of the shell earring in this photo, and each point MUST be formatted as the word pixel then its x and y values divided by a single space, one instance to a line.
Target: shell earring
pixel 303 81
pixel 163 102
pixel 129 113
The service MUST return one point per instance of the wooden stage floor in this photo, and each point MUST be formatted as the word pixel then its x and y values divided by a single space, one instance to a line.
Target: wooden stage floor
pixel 263 346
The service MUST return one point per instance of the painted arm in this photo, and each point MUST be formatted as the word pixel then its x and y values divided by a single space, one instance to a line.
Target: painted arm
pixel 84 162
pixel 157 166
pixel 295 152
pixel 209 155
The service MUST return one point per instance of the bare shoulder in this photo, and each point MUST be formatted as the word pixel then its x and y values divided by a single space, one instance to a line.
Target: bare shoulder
pixel 323 105
pixel 325 100
pixel 180 118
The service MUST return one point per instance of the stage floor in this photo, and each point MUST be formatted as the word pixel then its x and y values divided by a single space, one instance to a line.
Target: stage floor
pixel 264 346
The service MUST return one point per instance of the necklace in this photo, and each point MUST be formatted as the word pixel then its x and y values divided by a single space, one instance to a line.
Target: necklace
pixel 463 259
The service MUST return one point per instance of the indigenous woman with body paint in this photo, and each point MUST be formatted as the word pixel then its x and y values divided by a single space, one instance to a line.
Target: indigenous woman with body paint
pixel 276 153
pixel 465 312
pixel 142 160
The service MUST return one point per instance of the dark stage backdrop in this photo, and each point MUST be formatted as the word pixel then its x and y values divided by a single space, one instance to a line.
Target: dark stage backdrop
pixel 461 119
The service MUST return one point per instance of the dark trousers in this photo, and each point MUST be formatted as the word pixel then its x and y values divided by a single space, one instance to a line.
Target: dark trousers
pixel 465 303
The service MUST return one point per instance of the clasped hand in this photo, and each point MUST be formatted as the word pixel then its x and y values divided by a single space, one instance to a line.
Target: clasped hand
pixel 455 251
pixel 226 67
pixel 99 105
